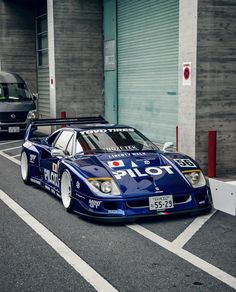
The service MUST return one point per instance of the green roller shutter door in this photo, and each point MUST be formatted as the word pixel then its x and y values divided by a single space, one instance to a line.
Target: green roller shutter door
pixel 148 66
pixel 43 92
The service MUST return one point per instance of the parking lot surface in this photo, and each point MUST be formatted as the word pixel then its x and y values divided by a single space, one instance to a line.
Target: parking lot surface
pixel 44 248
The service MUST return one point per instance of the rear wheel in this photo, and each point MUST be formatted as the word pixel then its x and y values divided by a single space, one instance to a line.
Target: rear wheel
pixel 25 168
pixel 67 191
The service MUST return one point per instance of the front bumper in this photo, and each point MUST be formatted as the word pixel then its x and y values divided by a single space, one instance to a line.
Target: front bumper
pixel 136 207
pixel 136 217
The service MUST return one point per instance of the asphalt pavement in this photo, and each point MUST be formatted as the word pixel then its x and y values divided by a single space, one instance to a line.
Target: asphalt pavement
pixel 65 252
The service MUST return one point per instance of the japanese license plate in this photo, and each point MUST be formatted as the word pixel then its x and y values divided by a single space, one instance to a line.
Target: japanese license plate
pixel 13 129
pixel 161 202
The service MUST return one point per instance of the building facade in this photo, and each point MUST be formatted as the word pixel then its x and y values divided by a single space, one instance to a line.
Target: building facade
pixel 151 64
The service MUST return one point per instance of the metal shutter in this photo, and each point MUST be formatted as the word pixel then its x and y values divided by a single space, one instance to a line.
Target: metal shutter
pixel 43 92
pixel 148 66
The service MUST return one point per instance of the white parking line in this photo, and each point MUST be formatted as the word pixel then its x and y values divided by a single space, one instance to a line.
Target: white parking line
pixel 192 228
pixel 189 257
pixel 12 148
pixel 10 157
pixel 17 155
pixel 88 273
pixel 10 142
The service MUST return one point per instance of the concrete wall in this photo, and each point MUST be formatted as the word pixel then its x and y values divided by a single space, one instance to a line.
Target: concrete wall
pixel 78 57
pixel 17 39
pixel 216 82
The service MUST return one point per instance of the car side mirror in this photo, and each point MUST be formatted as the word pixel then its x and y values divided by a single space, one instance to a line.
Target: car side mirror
pixel 168 146
pixel 57 152
pixel 35 96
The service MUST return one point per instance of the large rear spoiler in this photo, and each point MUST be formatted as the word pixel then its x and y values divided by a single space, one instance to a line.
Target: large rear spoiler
pixel 63 122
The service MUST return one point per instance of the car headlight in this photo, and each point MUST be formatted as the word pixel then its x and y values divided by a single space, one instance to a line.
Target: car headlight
pixel 195 177
pixel 106 187
pixel 103 186
pixel 95 183
pixel 32 115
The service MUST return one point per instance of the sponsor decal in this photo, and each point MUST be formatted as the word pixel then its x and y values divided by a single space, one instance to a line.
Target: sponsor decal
pixel 158 191
pixel 121 155
pixel 133 164
pixel 54 167
pixel 148 171
pixel 124 155
pixel 51 177
pixel 162 213
pixel 116 163
pixel 94 204
pixel 118 148
pixel 32 158
pixel 33 180
pixel 82 197
pixel 77 184
pixel 185 162
pixel 139 154
pixel 146 161
pixel 47 188
pixel 118 211
pixel 96 131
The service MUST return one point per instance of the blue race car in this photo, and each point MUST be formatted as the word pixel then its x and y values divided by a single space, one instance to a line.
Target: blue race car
pixel 111 171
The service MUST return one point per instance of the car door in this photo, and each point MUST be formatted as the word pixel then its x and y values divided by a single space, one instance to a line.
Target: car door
pixel 50 165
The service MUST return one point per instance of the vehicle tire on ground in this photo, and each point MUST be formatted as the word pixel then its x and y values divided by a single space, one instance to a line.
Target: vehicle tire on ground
pixel 25 168
pixel 67 191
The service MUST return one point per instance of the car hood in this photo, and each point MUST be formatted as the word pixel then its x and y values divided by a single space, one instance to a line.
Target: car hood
pixel 139 173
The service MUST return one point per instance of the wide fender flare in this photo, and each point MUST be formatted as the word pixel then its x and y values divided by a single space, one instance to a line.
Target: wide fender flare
pixel 75 175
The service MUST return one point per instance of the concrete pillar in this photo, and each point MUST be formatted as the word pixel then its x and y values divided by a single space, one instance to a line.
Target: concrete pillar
pixel 51 59
pixel 187 90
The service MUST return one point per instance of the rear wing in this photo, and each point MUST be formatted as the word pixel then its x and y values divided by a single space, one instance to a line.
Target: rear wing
pixel 63 122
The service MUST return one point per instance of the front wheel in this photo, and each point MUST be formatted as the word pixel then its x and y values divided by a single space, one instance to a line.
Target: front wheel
pixel 24 164
pixel 67 191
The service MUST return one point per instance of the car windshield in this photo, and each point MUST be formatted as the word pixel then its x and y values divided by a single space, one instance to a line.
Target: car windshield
pixel 113 140
pixel 14 92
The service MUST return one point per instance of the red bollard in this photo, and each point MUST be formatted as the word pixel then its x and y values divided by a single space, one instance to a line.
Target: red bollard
pixel 212 154
pixel 63 116
pixel 177 138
